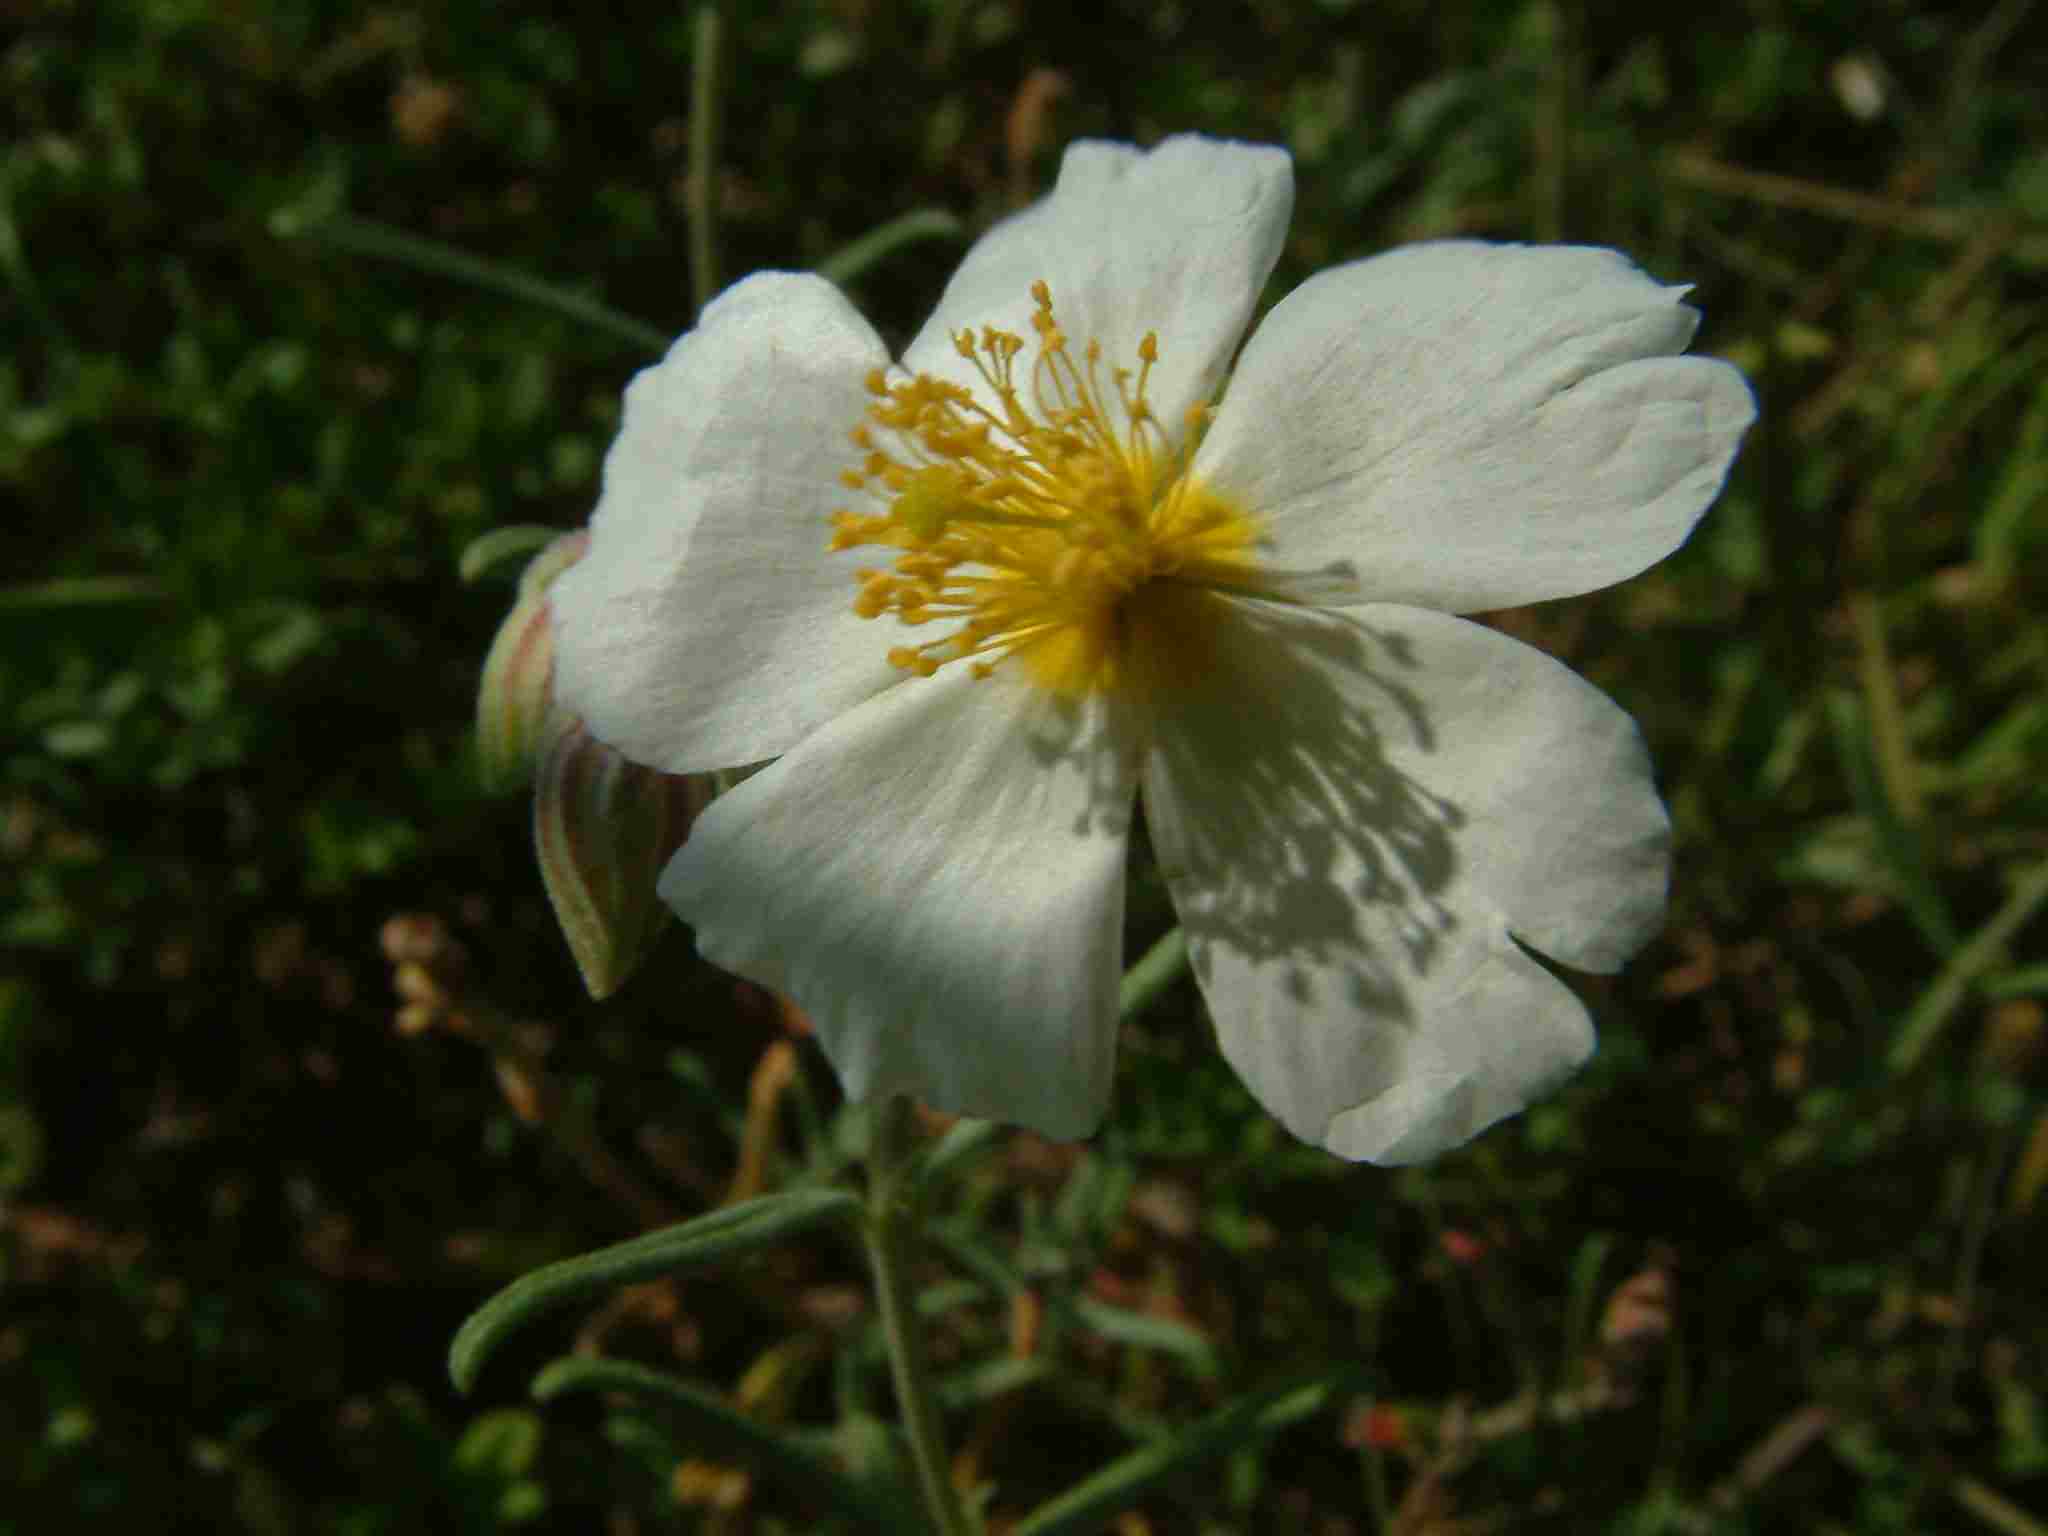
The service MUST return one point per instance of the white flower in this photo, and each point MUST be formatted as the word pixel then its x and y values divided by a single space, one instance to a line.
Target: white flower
pixel 1064 577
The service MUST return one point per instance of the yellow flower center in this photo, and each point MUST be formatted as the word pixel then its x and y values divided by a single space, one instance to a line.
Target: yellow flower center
pixel 1049 519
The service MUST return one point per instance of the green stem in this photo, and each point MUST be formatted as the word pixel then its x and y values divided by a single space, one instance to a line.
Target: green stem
pixel 892 1223
pixel 703 195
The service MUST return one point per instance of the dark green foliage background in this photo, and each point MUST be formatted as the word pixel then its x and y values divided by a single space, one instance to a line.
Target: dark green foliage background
pixel 240 1216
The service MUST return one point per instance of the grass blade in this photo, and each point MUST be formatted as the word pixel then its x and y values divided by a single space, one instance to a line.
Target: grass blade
pixel 1896 840
pixel 1923 1024
pixel 1123 1482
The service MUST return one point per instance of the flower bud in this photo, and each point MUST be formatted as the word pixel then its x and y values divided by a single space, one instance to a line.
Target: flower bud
pixel 604 826
pixel 512 699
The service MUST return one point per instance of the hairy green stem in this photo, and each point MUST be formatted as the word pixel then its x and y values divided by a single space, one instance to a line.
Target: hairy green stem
pixel 891 1229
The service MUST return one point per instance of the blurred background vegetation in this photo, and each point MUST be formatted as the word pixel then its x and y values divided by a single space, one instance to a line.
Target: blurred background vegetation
pixel 1774 1263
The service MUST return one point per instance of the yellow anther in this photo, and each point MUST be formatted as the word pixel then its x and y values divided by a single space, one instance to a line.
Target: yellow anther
pixel 930 499
pixel 1035 512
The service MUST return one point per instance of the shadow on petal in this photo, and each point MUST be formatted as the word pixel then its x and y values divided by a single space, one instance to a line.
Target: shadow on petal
pixel 1302 825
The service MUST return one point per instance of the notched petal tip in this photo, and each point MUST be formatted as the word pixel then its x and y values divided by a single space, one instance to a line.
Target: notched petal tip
pixel 1354 816
pixel 1478 426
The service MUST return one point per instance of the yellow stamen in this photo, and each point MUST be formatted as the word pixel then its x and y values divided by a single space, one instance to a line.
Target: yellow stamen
pixel 1050 516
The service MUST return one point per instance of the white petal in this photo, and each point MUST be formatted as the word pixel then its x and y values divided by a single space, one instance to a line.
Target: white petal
pixel 1469 426
pixel 707 627
pixel 1178 241
pixel 1359 815
pixel 937 878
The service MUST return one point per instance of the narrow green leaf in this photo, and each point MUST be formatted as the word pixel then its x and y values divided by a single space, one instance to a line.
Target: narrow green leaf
pixel 713 1426
pixel 692 1245
pixel 963 1243
pixel 978 1384
pixel 15 266
pixel 2012 513
pixel 366 237
pixel 2005 750
pixel 489 553
pixel 1994 1510
pixel 1897 843
pixel 877 245
pixel 1953 982
pixel 1581 1299
pixel 1157 969
pixel 1086 1506
pixel 2027 981
pixel 948 1296
pixel 1141 1330
pixel 1898 773
pixel 964 1140
pixel 80 592
pixel 503 1443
